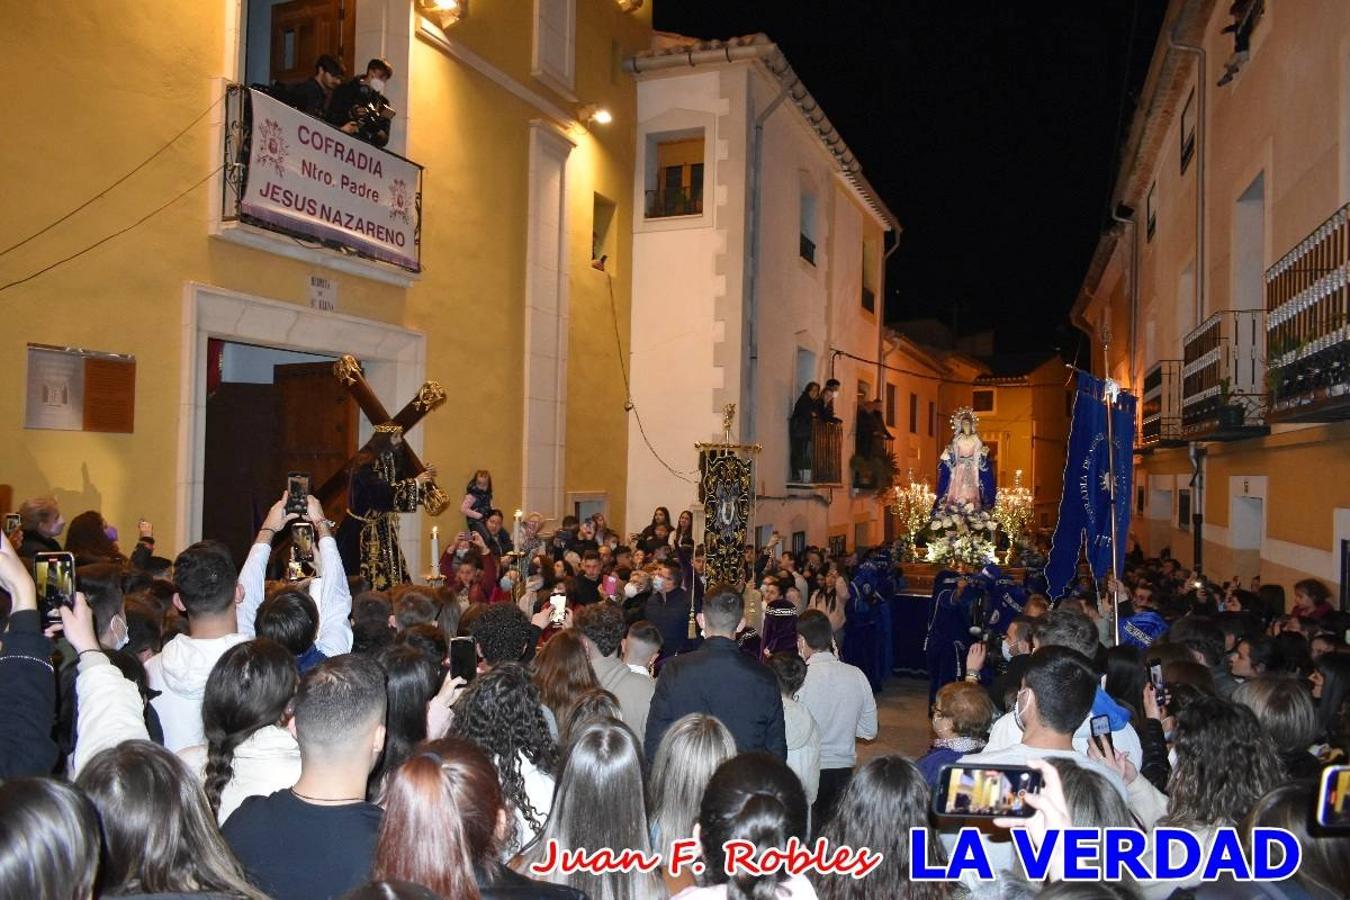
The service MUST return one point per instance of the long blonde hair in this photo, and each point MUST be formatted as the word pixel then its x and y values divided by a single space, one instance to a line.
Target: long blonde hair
pixel 690 752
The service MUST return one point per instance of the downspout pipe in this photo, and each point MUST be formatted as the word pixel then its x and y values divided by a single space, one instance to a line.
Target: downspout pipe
pixel 881 317
pixel 1133 225
pixel 752 276
pixel 1197 451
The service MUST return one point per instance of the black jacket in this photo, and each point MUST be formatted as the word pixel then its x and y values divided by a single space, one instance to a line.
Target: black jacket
pixel 717 679
pixel 308 97
pixel 27 699
pixel 35 542
pixel 507 884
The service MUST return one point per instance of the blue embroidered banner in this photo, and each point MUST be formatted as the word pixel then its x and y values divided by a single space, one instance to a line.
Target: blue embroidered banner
pixel 1085 507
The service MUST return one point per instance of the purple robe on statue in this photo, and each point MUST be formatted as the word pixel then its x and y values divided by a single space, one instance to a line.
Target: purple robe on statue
pixel 780 628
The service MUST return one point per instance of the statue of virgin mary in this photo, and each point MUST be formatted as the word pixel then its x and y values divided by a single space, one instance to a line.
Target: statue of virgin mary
pixel 964 474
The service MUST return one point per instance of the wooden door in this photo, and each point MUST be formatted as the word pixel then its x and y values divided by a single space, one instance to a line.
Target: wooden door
pixel 302 30
pixel 239 480
pixel 316 426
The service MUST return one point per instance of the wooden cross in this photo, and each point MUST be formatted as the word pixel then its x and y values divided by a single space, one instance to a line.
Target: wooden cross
pixel 429 396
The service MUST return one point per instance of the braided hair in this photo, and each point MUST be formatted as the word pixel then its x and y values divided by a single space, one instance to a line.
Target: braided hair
pixel 247 690
pixel 501 712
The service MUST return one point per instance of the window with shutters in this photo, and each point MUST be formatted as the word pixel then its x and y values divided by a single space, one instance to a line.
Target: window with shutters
pixel 555 28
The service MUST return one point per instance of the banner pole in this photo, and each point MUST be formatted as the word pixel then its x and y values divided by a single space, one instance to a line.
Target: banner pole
pixel 1108 397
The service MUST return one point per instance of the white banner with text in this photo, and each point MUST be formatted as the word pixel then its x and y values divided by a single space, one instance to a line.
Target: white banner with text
pixel 305 176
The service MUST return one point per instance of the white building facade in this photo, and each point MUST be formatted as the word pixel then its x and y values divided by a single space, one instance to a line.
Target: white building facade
pixel 758 266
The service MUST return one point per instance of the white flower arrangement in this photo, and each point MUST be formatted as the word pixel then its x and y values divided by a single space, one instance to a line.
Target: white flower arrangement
pixel 965 534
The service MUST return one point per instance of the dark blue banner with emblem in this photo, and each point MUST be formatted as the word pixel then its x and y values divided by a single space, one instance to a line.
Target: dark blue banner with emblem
pixel 1085 508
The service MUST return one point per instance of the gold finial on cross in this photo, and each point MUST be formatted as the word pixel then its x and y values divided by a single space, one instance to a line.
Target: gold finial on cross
pixel 728 416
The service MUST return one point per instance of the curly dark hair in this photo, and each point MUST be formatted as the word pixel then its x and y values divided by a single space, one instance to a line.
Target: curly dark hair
pixel 1225 762
pixel 501 712
pixel 502 633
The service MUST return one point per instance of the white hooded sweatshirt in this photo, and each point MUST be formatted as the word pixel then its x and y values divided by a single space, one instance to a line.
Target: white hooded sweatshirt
pixel 267 762
pixel 179 673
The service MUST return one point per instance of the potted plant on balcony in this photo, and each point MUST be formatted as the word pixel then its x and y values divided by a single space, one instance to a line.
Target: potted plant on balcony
pixel 1231 415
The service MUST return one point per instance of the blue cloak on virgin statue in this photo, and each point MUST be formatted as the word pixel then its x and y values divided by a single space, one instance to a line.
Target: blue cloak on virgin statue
pixel 965 475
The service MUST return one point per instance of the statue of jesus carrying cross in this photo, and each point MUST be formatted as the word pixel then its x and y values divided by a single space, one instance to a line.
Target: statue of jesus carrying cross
pixel 384 479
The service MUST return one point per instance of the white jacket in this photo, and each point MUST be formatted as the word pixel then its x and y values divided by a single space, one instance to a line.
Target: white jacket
pixel 803 746
pixel 267 762
pixel 111 710
pixel 179 673
pixel 330 593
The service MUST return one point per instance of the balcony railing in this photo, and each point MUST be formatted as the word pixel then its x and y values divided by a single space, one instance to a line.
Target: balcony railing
pixel 1308 326
pixel 288 172
pixel 1223 377
pixel 817 458
pixel 1160 423
pixel 873 466
pixel 663 204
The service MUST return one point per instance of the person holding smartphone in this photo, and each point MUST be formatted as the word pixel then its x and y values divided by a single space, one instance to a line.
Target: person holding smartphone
pixel 328 589
pixel 27 688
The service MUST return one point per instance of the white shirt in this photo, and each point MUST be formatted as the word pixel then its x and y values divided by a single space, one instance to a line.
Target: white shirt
pixel 839 697
pixel 331 595
pixel 1005 734
pixel 266 762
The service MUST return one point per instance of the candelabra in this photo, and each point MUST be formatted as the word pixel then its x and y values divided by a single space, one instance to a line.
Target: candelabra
pixel 912 504
pixel 1014 511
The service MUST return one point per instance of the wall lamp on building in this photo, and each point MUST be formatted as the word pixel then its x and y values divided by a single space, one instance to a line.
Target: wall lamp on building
pixel 444 12
pixel 630 5
pixel 593 112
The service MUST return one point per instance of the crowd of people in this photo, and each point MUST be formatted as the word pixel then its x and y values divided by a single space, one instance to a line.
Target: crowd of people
pixel 188 727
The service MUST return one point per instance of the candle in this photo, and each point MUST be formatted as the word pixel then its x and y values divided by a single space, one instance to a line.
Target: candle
pixel 435 546
pixel 515 530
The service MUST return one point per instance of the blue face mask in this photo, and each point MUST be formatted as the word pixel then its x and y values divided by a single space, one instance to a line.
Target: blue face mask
pixel 505 582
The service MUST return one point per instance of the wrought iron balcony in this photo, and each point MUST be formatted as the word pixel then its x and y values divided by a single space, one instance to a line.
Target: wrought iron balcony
pixel 662 204
pixel 1160 423
pixel 816 458
pixel 1223 377
pixel 1308 326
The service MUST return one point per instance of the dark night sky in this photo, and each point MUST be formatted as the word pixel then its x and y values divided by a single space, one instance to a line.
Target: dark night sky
pixel 989 128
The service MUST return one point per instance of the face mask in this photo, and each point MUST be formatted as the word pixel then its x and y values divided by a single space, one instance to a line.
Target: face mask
pixel 1172 758
pixel 505 582
pixel 659 583
pixel 117 630
pixel 630 590
pixel 1017 714
pixel 1007 651
pixel 111 532
pixel 533 583
pixel 461 552
pixel 377 85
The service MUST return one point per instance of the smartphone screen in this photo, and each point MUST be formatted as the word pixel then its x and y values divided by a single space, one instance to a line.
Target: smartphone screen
pixel 1101 735
pixel 54 578
pixel 558 613
pixel 297 490
pixel 302 539
pixel 985 791
pixel 1333 806
pixel 11 523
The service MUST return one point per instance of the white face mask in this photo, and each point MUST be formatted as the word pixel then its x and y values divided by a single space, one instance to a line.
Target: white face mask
pixel 1007 651
pixel 1017 713
pixel 377 85
pixel 117 630
pixel 630 590
pixel 1172 758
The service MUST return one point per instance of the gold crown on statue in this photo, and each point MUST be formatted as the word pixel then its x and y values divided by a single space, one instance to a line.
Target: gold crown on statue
pixel 389 428
pixel 962 413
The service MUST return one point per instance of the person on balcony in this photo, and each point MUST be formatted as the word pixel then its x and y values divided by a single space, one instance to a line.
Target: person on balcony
pixel 311 96
pixel 360 107
pixel 872 433
pixel 826 402
pixel 804 415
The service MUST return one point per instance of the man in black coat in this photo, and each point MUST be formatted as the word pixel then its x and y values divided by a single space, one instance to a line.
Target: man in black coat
pixel 365 94
pixel 311 95
pixel 718 680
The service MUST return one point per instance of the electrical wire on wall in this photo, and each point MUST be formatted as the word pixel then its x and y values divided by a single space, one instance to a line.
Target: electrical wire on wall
pixel 103 193
pixel 118 233
pixel 628 404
